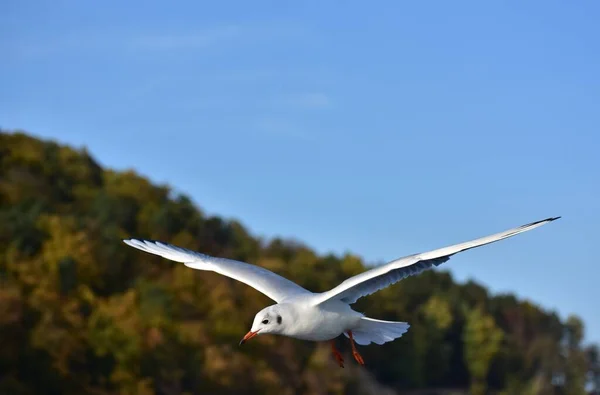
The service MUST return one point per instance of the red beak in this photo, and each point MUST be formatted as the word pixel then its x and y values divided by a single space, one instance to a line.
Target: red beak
pixel 248 336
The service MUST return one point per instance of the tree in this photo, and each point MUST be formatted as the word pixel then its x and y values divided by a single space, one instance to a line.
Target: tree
pixel 593 360
pixel 575 366
pixel 80 312
pixel 482 340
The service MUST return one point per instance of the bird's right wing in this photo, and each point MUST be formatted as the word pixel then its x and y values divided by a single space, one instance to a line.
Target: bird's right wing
pixel 272 285
pixel 380 277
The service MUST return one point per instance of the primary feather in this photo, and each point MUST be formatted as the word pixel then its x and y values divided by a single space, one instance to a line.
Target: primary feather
pixel 272 285
pixel 383 276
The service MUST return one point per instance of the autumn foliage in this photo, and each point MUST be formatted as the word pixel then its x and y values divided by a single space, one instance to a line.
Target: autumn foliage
pixel 82 313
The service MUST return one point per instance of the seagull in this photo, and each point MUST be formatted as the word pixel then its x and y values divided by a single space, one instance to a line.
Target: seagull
pixel 322 317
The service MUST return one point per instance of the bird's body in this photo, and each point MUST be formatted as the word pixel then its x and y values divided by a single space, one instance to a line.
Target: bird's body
pixel 318 322
pixel 304 315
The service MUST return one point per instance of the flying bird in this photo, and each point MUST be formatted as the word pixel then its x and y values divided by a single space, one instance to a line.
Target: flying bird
pixel 301 314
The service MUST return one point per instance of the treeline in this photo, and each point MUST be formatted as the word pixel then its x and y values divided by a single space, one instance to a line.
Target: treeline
pixel 82 313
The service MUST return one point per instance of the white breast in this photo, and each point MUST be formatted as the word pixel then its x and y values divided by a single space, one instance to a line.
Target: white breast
pixel 323 322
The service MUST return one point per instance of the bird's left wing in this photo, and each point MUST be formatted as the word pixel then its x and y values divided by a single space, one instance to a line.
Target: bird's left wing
pixel 383 276
pixel 272 285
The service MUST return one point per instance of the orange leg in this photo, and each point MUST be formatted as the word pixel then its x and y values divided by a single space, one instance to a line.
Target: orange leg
pixel 336 354
pixel 355 353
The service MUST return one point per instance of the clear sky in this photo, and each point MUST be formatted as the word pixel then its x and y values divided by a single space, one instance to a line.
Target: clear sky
pixel 382 129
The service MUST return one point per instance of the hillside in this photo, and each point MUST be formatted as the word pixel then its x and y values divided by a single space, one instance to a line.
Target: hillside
pixel 81 312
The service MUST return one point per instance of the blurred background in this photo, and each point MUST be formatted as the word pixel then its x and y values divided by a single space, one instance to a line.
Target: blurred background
pixel 316 139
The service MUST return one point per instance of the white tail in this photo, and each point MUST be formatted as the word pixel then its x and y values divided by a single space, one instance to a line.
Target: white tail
pixel 377 331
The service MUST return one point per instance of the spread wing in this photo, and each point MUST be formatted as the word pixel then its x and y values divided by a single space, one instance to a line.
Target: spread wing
pixel 383 276
pixel 273 285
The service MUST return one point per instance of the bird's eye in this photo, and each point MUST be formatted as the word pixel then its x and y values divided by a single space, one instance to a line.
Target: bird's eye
pixel 265 322
pixel 279 319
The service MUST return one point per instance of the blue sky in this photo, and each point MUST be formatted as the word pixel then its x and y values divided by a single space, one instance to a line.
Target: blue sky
pixel 381 129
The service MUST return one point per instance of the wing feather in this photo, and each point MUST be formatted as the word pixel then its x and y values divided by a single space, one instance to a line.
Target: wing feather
pixel 383 276
pixel 272 285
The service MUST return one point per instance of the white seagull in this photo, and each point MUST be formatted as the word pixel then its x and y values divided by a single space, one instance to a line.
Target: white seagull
pixel 301 314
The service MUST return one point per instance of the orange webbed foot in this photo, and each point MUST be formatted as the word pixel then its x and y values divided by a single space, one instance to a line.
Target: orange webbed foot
pixel 355 353
pixel 337 355
pixel 358 358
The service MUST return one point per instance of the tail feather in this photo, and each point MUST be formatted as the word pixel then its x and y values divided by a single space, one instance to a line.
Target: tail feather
pixel 370 330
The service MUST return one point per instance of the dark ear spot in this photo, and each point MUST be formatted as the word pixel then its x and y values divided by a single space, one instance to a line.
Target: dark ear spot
pixel 279 319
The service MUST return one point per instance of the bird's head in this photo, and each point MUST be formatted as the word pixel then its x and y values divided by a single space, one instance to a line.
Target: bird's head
pixel 271 319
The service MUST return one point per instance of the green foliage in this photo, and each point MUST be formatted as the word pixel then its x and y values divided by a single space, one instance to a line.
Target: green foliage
pixel 80 312
pixel 482 341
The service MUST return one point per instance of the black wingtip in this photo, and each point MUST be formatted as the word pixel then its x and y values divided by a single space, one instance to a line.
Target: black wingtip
pixel 550 219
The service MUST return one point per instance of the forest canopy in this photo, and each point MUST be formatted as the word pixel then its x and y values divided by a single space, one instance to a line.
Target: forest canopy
pixel 81 312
